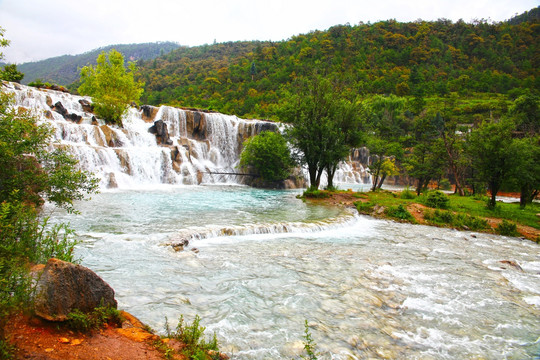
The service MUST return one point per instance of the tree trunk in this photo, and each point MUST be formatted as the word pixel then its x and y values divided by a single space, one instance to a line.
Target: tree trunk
pixel 330 172
pixel 382 181
pixel 453 167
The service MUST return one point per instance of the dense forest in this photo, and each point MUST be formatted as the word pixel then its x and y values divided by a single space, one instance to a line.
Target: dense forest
pixel 64 70
pixel 479 60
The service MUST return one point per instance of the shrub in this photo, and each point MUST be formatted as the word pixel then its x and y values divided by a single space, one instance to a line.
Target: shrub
pixel 102 315
pixel 437 199
pixel 269 155
pixel 445 184
pixel 364 207
pixel 315 193
pixel 407 194
pixel 507 228
pixel 309 344
pixel 195 346
pixel 399 212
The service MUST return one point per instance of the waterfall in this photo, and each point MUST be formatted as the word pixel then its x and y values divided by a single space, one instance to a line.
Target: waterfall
pixel 194 148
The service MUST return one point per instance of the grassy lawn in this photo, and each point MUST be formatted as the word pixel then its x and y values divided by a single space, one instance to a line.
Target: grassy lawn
pixel 466 212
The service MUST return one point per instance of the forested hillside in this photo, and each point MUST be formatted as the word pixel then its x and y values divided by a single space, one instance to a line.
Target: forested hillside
pixel 64 70
pixel 426 59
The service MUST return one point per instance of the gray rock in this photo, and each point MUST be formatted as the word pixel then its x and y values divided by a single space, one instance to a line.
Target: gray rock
pixel 64 287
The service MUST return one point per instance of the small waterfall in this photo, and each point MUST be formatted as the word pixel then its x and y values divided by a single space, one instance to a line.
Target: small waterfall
pixel 207 232
pixel 195 148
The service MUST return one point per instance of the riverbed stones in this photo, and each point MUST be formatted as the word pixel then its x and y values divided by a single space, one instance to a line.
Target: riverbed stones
pixel 63 287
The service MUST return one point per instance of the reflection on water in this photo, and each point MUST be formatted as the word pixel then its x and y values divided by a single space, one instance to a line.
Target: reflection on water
pixel 369 288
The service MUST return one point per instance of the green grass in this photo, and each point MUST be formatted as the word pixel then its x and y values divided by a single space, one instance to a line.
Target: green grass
pixel 468 210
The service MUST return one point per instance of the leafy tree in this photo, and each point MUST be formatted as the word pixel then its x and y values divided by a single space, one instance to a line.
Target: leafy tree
pixel 526 162
pixel 111 86
pixel 525 111
pixel 454 147
pixel 323 126
pixel 31 173
pixel 491 150
pixel 268 154
pixel 383 162
pixel 10 73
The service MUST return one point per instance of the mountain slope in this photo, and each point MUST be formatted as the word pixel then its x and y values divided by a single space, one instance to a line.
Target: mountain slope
pixel 64 70
pixel 407 59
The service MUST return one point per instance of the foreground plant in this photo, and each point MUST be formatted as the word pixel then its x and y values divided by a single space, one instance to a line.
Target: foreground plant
pixel 194 345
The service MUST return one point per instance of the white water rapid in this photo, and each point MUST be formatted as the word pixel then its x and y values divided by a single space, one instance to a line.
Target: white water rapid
pixel 198 147
pixel 266 261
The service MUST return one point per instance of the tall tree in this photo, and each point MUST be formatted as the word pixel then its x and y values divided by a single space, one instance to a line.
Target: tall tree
pixel 112 87
pixel 491 150
pixel 323 126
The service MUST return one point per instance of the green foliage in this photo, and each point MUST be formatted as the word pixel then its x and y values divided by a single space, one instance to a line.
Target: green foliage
pixel 314 193
pixel 31 170
pixel 65 69
pixel 324 126
pixel 98 318
pixel 507 228
pixel 3 41
pixel 268 154
pixel 420 58
pixel 459 220
pixel 437 199
pixel 111 86
pixel 10 73
pixel 364 207
pixel 399 212
pixel 309 344
pixel 192 336
pixel 407 194
pixel 491 150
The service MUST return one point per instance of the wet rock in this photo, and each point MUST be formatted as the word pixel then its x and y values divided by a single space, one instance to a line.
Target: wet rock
pixel 162 133
pixel 86 105
pixel 111 138
pixel 149 112
pixel 48 114
pixel 180 244
pixel 74 117
pixel 64 287
pixel 196 125
pixel 94 121
pixel 48 100
pixel 195 250
pixel 59 108
pixel 111 183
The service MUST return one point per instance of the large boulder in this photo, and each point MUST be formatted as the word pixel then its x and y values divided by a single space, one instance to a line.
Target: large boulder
pixel 162 133
pixel 148 112
pixel 64 287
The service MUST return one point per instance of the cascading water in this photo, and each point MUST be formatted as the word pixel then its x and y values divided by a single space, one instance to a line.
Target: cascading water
pixel 194 147
pixel 267 261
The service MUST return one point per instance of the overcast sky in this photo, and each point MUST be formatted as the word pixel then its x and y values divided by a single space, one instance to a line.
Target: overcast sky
pixel 39 29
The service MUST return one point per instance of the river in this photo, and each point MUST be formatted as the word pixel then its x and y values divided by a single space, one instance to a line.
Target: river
pixel 368 288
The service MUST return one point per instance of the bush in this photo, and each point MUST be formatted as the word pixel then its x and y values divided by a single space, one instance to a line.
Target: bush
pixel 507 228
pixel 309 344
pixel 399 212
pixel 195 346
pixel 315 193
pixel 364 207
pixel 102 315
pixel 445 184
pixel 456 220
pixel 111 86
pixel 437 199
pixel 407 194
pixel 269 155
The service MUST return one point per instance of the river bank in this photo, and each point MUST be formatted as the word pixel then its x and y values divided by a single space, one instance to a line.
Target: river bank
pixel 377 204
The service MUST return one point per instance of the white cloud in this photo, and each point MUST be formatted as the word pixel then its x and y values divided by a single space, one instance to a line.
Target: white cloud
pixel 40 29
